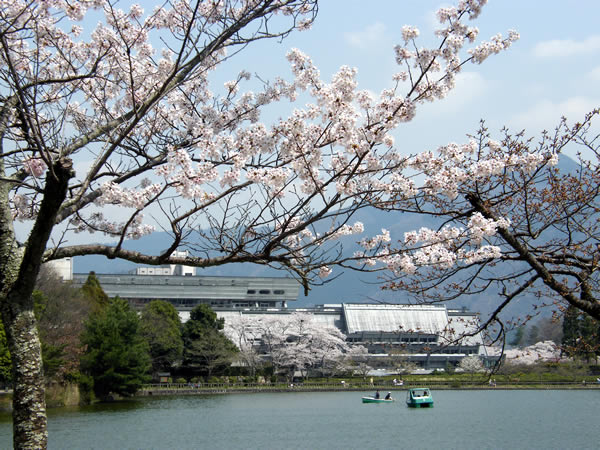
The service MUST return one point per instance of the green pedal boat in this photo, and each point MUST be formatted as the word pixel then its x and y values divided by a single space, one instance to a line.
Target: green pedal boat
pixel 419 398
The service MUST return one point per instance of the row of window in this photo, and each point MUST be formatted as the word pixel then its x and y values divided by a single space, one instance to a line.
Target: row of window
pixel 266 291
pixel 417 339
pixel 188 302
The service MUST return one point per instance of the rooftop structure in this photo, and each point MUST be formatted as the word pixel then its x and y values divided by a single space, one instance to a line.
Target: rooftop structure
pixel 168 269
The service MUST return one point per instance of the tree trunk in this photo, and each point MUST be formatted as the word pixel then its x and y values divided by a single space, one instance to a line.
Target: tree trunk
pixel 18 274
pixel 29 403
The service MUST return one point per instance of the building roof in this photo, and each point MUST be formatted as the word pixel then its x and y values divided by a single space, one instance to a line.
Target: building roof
pixel 425 319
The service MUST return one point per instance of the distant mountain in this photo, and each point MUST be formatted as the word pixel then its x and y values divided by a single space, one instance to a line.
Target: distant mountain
pixel 346 286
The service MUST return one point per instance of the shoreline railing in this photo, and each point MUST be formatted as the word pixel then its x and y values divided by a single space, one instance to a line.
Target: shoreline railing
pixel 199 388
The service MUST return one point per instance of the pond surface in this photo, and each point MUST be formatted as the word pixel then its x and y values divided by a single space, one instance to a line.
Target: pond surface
pixel 485 419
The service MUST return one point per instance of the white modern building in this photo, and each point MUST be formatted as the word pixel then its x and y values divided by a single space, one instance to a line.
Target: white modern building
pixel 62 267
pixel 431 336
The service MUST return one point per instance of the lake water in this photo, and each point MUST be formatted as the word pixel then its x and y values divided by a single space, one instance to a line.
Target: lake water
pixel 485 419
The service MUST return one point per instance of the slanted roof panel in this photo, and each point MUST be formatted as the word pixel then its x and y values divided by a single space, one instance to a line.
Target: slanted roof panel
pixel 395 318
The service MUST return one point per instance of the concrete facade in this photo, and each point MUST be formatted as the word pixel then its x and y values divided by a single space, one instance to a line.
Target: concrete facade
pixel 186 292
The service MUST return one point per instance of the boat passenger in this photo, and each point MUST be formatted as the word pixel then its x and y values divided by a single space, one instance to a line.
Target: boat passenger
pixel 377 394
pixel 388 396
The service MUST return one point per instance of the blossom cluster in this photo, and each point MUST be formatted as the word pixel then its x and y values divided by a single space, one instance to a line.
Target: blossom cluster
pixel 34 166
pixel 115 194
pixel 132 229
pixel 480 227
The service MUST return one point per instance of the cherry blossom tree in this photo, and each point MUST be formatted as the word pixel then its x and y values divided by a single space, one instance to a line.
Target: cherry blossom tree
pixel 311 345
pixel 507 231
pixel 471 364
pixel 244 332
pixel 357 360
pixel 116 130
pixel 291 342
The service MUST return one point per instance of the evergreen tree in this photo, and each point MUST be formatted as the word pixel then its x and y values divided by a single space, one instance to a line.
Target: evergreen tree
pixel 160 326
pixel 204 317
pixel 206 348
pixel 533 335
pixel 518 336
pixel 116 356
pixel 589 337
pixel 93 291
pixel 571 332
pixel 581 334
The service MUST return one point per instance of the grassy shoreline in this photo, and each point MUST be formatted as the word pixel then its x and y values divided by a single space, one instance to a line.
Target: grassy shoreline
pixel 216 388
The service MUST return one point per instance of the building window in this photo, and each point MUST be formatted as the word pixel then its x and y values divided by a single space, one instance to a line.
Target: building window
pixel 251 291
pixel 264 291
pixel 279 292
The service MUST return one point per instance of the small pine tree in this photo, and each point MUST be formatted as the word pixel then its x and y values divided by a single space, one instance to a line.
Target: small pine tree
pixel 116 355
pixel 206 348
pixel 161 327
pixel 93 291
pixel 571 332
pixel 518 337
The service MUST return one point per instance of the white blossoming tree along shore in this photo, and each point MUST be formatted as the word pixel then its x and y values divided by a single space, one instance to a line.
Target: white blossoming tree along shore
pixel 297 342
pixel 99 126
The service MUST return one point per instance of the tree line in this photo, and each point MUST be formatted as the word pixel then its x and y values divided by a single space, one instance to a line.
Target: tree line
pixel 109 349
pixel 575 332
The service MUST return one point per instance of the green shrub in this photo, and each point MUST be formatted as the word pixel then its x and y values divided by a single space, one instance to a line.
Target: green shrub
pixel 86 387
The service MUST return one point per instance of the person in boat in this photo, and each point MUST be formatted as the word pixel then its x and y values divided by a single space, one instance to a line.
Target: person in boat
pixel 377 394
pixel 388 396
